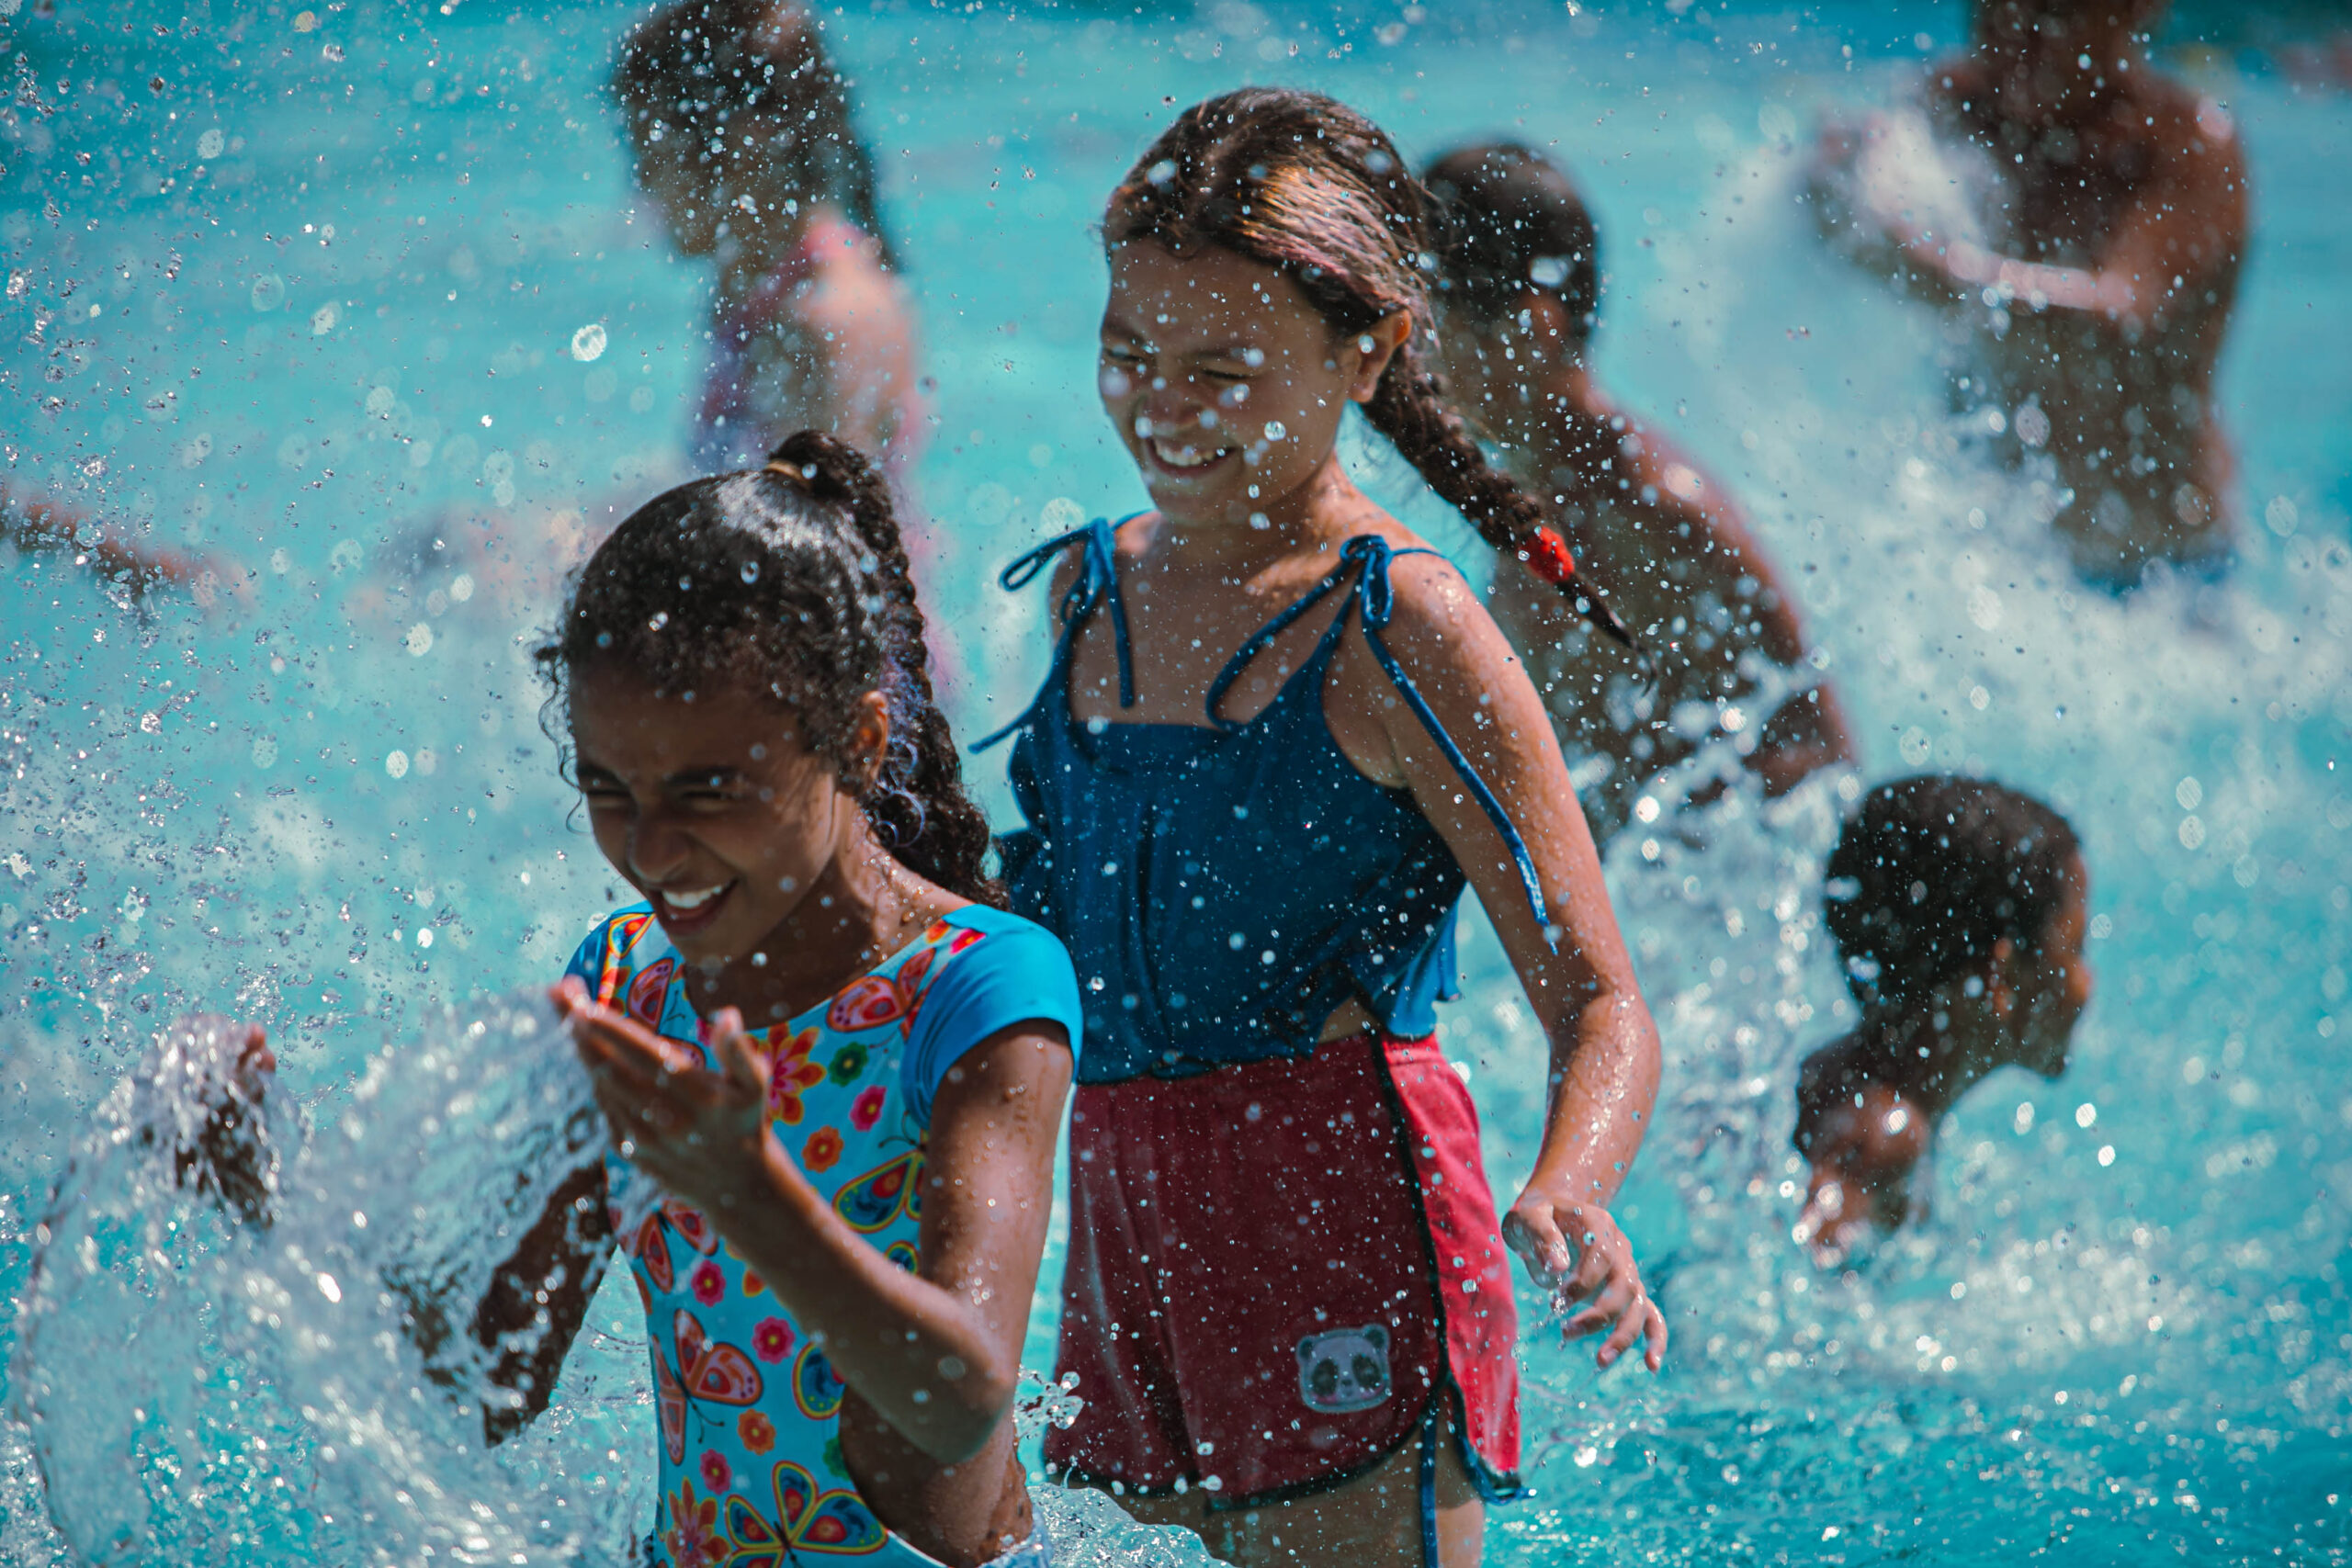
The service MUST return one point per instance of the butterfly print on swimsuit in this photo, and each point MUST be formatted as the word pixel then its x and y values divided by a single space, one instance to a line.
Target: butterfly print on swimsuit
pixel 715 1374
pixel 872 1201
pixel 808 1518
pixel 896 997
pixel 651 1245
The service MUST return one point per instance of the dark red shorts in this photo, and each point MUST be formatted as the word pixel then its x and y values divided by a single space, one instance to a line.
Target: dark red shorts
pixel 1274 1269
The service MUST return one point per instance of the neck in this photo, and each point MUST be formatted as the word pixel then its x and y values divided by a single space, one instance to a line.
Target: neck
pixel 857 913
pixel 1315 515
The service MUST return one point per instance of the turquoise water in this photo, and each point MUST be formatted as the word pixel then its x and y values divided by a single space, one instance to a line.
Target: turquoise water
pixel 338 348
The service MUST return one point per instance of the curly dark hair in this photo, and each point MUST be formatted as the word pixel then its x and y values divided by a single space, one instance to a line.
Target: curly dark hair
pixel 1303 184
pixel 695 64
pixel 1930 872
pixel 790 581
pixel 1514 225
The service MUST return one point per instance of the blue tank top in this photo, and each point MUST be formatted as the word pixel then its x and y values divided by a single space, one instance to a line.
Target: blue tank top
pixel 1223 890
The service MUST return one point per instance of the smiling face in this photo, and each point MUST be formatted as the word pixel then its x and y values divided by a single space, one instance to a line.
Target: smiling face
pixel 1224 383
pixel 715 809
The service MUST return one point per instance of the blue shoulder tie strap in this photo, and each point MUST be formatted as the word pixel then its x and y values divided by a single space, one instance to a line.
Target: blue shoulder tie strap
pixel 1097 578
pixel 1374 600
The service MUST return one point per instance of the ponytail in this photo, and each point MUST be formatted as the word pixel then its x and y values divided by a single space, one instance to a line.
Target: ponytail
pixel 917 802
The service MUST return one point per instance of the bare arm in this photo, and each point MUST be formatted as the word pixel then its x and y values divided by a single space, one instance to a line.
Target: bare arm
pixel 538 1298
pixel 1604 1050
pixel 936 1353
pixel 37 524
pixel 2181 238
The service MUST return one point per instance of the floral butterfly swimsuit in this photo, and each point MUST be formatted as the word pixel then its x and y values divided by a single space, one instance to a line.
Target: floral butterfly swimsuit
pixel 751 1468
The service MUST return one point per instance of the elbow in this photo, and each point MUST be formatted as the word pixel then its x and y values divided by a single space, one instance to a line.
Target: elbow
pixel 966 1420
pixel 964 1431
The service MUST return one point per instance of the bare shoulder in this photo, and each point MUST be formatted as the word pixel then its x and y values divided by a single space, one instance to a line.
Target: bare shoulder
pixel 1441 631
pixel 1709 529
pixel 2194 134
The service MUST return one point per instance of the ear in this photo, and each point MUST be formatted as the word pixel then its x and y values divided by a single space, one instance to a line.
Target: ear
pixel 869 738
pixel 2001 978
pixel 1374 347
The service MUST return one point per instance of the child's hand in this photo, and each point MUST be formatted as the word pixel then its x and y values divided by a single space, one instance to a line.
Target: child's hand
pixel 701 1136
pixel 1576 1252
pixel 201 1089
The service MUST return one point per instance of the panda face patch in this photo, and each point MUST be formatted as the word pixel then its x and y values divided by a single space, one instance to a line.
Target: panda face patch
pixel 1345 1369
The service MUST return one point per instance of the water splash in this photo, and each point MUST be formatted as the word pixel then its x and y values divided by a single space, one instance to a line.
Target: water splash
pixel 204 1382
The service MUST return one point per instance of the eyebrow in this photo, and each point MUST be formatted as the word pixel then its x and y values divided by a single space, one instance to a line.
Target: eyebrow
pixel 710 773
pixel 1113 327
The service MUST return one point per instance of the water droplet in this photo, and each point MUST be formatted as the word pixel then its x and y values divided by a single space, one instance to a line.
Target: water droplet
pixel 588 343
pixel 419 640
pixel 269 292
pixel 396 764
pixel 1276 431
pixel 212 143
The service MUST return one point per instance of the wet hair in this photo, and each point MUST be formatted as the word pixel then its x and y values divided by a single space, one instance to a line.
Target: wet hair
pixel 1514 225
pixel 1930 872
pixel 788 580
pixel 694 66
pixel 1303 184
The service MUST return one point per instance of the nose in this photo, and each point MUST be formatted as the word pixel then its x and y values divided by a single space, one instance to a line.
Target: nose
pixel 1170 406
pixel 658 848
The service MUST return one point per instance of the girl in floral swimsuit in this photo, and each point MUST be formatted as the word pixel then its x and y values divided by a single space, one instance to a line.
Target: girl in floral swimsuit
pixel 833 1066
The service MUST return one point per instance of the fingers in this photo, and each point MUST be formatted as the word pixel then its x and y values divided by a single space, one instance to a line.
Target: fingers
pixel 1628 1332
pixel 1593 1270
pixel 1535 1236
pixel 741 1066
pixel 1608 1307
pixel 1654 1337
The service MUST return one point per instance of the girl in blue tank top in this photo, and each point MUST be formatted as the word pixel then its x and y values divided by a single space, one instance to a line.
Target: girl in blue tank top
pixel 1279 738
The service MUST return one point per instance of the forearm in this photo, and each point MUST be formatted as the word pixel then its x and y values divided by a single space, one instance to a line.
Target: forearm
pixel 2112 295
pixel 1604 1078
pixel 535 1304
pixel 921 1355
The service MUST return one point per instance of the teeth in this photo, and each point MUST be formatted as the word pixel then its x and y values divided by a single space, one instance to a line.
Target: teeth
pixel 694 900
pixel 1183 456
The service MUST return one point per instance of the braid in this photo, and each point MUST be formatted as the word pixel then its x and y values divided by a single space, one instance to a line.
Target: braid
pixel 1410 408
pixel 917 802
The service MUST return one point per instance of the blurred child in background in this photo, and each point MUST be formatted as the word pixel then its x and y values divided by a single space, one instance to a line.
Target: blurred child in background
pixel 1958 908
pixel 1664 541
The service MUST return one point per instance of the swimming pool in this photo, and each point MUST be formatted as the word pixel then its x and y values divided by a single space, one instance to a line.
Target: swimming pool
pixel 323 295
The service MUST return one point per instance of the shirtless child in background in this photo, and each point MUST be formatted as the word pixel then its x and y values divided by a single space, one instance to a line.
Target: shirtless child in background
pixel 1668 545
pixel 2107 265
pixel 1958 909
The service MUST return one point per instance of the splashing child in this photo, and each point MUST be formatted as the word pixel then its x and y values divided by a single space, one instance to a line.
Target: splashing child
pixel 832 1065
pixel 1958 908
pixel 1279 736
pixel 1520 295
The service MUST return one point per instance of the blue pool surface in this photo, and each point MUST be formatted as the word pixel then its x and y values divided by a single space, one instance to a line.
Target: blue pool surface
pixel 308 291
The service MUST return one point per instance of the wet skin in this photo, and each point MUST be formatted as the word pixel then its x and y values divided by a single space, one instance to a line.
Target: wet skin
pixel 1668 544
pixel 2018 1008
pixel 2125 224
pixel 1227 389
pixel 770 883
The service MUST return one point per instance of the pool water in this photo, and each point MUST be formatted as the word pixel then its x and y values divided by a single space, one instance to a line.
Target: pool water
pixel 358 303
